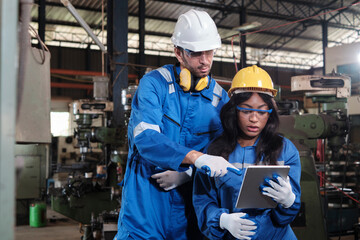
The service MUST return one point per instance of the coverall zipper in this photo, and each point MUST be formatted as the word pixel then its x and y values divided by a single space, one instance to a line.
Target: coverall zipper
pixel 172 120
pixel 202 133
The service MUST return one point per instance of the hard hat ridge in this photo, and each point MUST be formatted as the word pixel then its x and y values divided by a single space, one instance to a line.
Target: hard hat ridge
pixel 252 79
pixel 196 31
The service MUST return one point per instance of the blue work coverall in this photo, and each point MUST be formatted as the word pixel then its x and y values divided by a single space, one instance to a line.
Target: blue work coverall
pixel 214 196
pixel 166 123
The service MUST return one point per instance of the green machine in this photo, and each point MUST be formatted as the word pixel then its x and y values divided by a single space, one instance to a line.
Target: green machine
pixel 332 124
pixel 88 167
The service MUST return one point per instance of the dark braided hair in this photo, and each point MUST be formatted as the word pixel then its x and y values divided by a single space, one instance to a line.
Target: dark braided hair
pixel 270 142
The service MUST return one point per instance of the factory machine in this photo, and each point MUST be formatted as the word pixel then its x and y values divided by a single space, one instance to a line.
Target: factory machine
pixel 325 134
pixel 89 166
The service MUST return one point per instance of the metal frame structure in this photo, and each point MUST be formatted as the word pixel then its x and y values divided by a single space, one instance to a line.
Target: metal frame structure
pixel 8 86
pixel 277 45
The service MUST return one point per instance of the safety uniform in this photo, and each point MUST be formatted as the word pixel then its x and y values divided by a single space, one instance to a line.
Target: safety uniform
pixel 214 196
pixel 166 123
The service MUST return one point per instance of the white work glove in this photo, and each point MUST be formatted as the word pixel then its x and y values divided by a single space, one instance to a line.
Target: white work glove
pixel 280 191
pixel 239 227
pixel 215 166
pixel 171 179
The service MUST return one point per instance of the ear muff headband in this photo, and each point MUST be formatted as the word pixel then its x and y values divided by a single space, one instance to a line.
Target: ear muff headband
pixel 187 81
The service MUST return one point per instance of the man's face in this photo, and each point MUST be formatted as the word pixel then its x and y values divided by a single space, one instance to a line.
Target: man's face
pixel 198 63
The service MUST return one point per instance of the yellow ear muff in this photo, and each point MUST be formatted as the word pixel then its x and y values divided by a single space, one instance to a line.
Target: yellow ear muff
pixel 202 83
pixel 186 81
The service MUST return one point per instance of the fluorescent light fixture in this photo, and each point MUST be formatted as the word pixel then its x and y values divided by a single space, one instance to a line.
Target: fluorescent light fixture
pixel 247 26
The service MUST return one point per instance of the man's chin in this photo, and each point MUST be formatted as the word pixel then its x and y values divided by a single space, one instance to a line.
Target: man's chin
pixel 201 75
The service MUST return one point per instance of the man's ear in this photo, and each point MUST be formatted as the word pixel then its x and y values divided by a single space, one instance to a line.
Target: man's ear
pixel 178 55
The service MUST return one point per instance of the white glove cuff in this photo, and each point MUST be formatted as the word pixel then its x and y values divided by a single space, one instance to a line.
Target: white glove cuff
pixel 223 219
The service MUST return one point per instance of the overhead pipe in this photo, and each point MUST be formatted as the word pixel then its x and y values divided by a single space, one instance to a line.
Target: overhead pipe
pixel 76 15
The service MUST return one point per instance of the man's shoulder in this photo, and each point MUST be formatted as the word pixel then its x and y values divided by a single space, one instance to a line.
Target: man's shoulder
pixel 158 80
pixel 164 72
pixel 218 90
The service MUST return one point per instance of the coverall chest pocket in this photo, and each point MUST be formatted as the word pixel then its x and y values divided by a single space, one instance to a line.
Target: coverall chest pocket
pixel 171 126
pixel 200 136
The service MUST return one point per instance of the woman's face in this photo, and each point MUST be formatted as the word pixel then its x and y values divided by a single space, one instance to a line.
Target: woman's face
pixel 252 122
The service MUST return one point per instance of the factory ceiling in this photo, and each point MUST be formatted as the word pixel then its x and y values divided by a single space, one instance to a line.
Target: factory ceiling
pixel 289 33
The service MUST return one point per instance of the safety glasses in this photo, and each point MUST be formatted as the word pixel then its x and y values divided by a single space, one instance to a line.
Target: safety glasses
pixel 261 113
pixel 192 54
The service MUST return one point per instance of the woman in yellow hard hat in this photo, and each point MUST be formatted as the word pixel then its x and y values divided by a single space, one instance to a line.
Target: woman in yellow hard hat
pixel 250 137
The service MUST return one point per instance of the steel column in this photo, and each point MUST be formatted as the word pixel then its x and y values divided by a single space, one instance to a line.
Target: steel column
pixel 120 55
pixel 8 83
pixel 324 27
pixel 109 37
pixel 141 55
pixel 243 39
pixel 41 20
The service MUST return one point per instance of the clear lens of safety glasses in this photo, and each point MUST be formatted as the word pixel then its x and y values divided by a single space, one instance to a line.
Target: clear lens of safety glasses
pixel 261 113
pixel 192 54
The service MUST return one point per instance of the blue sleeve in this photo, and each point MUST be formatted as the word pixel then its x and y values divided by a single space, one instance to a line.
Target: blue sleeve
pixel 206 204
pixel 290 156
pixel 146 119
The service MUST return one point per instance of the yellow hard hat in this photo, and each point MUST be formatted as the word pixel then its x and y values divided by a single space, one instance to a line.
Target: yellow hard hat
pixel 252 79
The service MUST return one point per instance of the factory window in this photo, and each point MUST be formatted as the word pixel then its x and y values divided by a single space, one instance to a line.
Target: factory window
pixel 351 70
pixel 60 124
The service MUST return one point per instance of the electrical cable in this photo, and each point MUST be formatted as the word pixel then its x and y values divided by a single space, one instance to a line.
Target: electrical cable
pixel 299 20
pixel 341 191
pixel 343 182
pixel 43 46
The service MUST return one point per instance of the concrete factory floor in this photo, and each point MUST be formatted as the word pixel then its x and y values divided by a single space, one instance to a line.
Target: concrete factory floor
pixel 60 227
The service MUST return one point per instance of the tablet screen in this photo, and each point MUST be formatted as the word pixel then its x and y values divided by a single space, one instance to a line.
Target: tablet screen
pixel 250 195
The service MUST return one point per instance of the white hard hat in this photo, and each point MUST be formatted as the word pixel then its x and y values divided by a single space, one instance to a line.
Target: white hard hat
pixel 196 31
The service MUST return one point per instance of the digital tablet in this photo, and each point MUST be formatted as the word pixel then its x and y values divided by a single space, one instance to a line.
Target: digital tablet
pixel 250 195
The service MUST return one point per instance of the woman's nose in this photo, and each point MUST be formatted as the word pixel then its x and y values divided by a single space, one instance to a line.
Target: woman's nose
pixel 254 116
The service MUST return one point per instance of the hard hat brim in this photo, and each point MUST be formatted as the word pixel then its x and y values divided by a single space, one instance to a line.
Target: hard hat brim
pixel 270 92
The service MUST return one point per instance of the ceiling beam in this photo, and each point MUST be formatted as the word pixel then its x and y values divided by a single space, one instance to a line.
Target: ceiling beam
pixel 297 30
pixel 98 27
pixel 236 9
pixel 261 13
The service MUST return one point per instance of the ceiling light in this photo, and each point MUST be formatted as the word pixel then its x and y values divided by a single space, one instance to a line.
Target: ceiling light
pixel 247 26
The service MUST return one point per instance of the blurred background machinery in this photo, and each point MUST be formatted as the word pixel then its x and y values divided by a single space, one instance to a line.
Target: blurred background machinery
pixel 79 174
pixel 88 167
pixel 328 169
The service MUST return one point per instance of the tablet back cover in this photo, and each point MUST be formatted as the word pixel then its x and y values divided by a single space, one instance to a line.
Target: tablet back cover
pixel 250 195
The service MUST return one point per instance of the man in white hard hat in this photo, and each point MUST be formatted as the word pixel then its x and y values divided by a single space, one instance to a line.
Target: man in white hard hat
pixel 175 114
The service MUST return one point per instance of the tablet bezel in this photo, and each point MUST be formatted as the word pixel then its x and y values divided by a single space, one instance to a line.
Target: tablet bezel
pixel 250 195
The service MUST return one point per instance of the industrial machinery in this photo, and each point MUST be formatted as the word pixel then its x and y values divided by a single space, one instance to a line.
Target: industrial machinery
pixel 331 125
pixel 88 166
